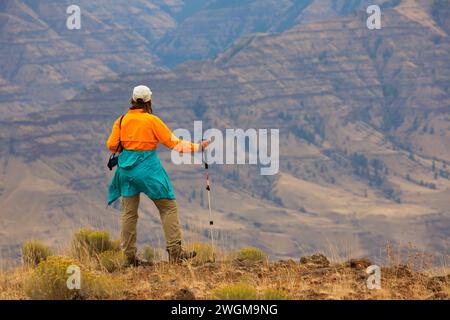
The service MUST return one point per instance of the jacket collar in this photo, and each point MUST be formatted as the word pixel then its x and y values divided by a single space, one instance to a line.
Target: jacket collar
pixel 135 110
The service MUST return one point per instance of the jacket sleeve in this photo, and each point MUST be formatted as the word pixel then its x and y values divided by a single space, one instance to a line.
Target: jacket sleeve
pixel 167 138
pixel 114 137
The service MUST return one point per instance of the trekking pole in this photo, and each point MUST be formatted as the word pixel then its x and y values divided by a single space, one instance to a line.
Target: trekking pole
pixel 208 188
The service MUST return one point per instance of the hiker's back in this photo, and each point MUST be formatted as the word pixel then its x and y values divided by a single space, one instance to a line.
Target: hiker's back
pixel 137 131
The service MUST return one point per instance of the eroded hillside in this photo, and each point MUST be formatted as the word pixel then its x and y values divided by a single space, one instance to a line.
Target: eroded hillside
pixel 363 119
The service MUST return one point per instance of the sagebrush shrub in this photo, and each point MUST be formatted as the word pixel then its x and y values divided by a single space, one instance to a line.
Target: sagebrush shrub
pixel 34 252
pixel 115 245
pixel 251 254
pixel 49 282
pixel 275 294
pixel 151 254
pixel 91 242
pixel 112 260
pixel 205 252
pixel 238 291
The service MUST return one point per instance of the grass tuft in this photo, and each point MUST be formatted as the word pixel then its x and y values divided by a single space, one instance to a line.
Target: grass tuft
pixel 205 252
pixel 251 254
pixel 112 260
pixel 34 252
pixel 50 279
pixel 151 254
pixel 91 243
pixel 238 291
pixel 276 294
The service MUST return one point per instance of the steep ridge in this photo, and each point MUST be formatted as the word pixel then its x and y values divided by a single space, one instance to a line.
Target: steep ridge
pixel 218 23
pixel 44 64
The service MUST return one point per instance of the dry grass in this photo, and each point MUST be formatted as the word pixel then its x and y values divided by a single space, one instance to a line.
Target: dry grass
pixel 112 260
pixel 151 254
pixel 204 252
pixel 406 276
pixel 90 243
pixel 11 283
pixel 238 291
pixel 277 280
pixel 34 252
pixel 49 282
pixel 251 254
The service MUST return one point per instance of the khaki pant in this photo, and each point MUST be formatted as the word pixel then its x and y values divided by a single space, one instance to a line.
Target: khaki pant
pixel 168 212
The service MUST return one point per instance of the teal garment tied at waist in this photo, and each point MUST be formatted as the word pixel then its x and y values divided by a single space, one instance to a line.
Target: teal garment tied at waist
pixel 140 171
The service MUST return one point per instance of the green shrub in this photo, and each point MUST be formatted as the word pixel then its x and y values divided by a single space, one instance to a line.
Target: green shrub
pixel 205 252
pixel 151 254
pixel 251 254
pixel 112 260
pixel 49 282
pixel 115 245
pixel 276 294
pixel 91 242
pixel 34 252
pixel 238 291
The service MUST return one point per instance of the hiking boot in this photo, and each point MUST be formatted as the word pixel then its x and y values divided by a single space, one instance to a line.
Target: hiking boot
pixel 135 262
pixel 177 254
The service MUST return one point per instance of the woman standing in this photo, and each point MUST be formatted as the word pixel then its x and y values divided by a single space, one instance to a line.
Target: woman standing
pixel 136 136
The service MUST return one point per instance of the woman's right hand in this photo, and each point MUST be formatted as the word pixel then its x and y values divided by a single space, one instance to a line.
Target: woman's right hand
pixel 204 145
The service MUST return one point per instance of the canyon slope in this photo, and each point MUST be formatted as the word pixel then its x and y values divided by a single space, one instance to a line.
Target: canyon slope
pixel 364 141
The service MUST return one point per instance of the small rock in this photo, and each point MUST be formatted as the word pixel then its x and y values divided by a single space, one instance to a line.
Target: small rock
pixel 307 292
pixel 436 284
pixel 184 294
pixel 286 263
pixel 403 271
pixel 317 271
pixel 173 282
pixel 155 278
pixel 291 262
pixel 313 295
pixel 316 259
pixel 362 276
pixel 281 263
pixel 239 263
pixel 438 296
pixel 210 266
pixel 359 263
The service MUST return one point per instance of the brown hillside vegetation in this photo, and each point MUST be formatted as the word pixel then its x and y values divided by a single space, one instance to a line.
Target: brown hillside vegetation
pixel 240 275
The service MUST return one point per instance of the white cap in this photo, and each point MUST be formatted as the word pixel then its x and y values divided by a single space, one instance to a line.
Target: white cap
pixel 142 92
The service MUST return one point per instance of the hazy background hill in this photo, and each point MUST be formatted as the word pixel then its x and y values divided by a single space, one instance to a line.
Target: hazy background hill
pixel 127 36
pixel 363 118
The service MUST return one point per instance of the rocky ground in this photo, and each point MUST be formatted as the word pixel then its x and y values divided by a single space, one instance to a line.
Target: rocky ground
pixel 313 277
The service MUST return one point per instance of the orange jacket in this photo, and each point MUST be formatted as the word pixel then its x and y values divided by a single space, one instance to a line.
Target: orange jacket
pixel 141 131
